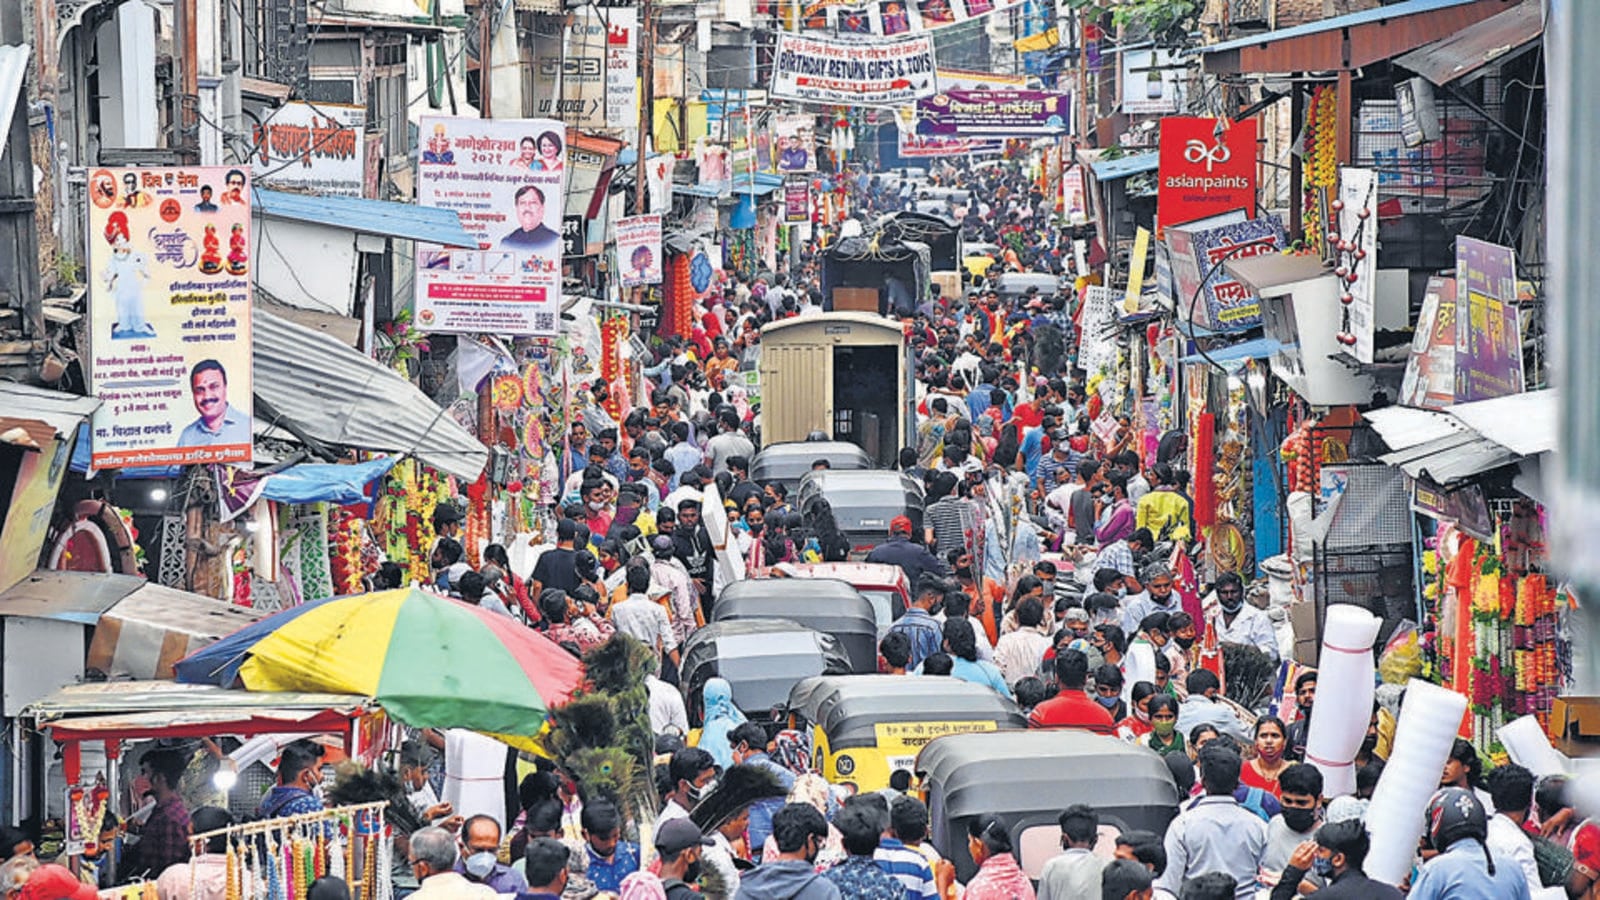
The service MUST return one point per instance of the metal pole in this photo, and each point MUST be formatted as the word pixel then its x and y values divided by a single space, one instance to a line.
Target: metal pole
pixel 647 49
pixel 485 52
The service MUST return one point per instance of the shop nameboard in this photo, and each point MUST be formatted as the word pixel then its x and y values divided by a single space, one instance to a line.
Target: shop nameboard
pixel 1430 378
pixel 622 67
pixel 994 114
pixel 913 146
pixel 497 175
pixel 963 80
pixel 1488 333
pixel 33 499
pixel 796 200
pixel 1358 223
pixel 573 240
pixel 169 316
pixel 1207 167
pixel 639 250
pixel 797 143
pixel 868 72
pixel 306 148
pixel 1226 304
pixel 1466 506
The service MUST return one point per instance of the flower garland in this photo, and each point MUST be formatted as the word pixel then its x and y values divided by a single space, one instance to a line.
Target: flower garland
pixel 345 561
pixel 1321 158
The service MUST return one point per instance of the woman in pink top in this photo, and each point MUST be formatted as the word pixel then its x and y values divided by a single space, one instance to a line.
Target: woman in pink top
pixel 999 877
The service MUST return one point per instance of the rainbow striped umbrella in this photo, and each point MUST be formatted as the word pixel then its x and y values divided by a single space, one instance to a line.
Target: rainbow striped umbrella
pixel 431 661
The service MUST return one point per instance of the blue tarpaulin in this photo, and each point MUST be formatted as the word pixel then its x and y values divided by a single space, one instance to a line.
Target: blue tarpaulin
pixel 325 482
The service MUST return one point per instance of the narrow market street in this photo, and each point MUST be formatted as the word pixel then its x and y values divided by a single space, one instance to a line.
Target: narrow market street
pixel 839 450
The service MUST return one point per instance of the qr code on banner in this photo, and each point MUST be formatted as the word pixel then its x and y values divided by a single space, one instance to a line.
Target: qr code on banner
pixel 543 322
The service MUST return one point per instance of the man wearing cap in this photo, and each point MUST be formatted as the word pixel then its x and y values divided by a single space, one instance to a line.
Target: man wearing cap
pixel 557 567
pixel 679 842
pixel 1058 466
pixel 913 559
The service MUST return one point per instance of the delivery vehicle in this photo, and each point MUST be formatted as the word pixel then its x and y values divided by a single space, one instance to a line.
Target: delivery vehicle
pixel 1026 778
pixel 864 503
pixel 761 658
pixel 846 374
pixel 885 587
pixel 788 462
pixel 864 727
pixel 831 607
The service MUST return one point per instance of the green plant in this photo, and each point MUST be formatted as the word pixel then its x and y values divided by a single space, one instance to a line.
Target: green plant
pixel 1169 22
pixel 401 343
pixel 67 269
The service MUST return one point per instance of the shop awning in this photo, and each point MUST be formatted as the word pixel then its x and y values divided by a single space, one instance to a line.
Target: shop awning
pixel 1467 439
pixel 1123 167
pixel 1525 423
pixel 1490 42
pixel 144 633
pixel 1349 41
pixel 1259 348
pixel 710 192
pixel 310 383
pixel 80 597
pixel 377 217
pixel 1450 459
pixel 760 185
pixel 41 415
pixel 13 70
pixel 131 710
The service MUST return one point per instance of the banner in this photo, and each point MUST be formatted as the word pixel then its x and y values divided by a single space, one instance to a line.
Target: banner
pixel 1488 333
pixel 316 149
pixel 912 146
pixel 797 143
pixel 584 82
pixel 169 316
pixel 891 17
pixel 506 178
pixel 796 200
pixel 1226 304
pixel 999 114
pixel 622 67
pixel 1203 174
pixel 639 250
pixel 1430 378
pixel 964 80
pixel 861 73
pixel 1358 222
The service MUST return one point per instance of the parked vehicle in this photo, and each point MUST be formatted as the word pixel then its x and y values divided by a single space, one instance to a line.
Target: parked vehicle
pixel 761 658
pixel 886 587
pixel 864 503
pixel 789 461
pixel 831 607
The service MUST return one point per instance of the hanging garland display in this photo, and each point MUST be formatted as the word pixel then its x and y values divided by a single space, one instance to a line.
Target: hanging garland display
pixel 1320 168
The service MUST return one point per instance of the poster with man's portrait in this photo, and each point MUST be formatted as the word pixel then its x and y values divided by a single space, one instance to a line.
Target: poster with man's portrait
pixel 797 143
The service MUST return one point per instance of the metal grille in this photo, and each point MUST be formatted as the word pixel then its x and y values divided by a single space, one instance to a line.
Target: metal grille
pixel 1379 580
pixel 174 536
pixel 1373 511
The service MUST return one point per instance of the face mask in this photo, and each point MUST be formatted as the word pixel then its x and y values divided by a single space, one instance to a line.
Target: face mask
pixel 1233 606
pixel 479 864
pixel 692 873
pixel 1299 820
pixel 1140 714
pixel 636 474
pixel 1165 728
pixel 597 505
pixel 1185 643
pixel 1122 592
pixel 1107 702
pixel 1322 865
pixel 757 527
pixel 964 571
pixel 695 793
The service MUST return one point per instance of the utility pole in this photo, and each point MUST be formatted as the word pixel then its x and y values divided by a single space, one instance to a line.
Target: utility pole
pixel 485 52
pixel 647 50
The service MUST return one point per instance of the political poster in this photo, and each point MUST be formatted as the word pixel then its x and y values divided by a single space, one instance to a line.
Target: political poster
pixel 1488 333
pixel 797 143
pixel 639 250
pixel 312 148
pixel 1206 168
pixel 873 72
pixel 994 114
pixel 170 273
pixel 1226 304
pixel 1430 377
pixel 796 200
pixel 622 67
pixel 506 178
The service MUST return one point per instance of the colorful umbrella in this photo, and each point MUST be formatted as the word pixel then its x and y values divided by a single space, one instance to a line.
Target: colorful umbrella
pixel 431 661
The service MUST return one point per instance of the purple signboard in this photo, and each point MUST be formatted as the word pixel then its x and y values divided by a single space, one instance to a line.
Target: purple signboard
pixel 1488 334
pixel 993 114
pixel 796 200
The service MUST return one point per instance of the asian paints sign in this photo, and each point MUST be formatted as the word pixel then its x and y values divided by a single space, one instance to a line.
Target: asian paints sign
pixel 1208 167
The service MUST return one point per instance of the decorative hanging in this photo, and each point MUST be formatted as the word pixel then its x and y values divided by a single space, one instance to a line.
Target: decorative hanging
pixel 1321 160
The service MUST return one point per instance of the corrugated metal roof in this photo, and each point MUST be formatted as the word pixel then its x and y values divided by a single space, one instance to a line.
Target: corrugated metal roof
pixel 1478 45
pixel 1403 427
pixel 338 395
pixel 1114 169
pixel 126 697
pixel 1453 458
pixel 1365 17
pixel 61 411
pixel 13 71
pixel 1525 423
pixel 67 596
pixel 380 217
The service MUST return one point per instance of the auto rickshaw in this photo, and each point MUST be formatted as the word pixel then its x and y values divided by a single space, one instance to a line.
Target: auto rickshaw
pixel 761 658
pixel 864 727
pixel 885 587
pixel 787 462
pixel 862 503
pixel 1026 778
pixel 831 607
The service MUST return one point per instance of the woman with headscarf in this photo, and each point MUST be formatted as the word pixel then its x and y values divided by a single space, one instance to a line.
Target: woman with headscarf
pixel 721 717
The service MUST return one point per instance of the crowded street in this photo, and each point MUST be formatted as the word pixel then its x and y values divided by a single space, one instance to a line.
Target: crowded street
pixel 950 450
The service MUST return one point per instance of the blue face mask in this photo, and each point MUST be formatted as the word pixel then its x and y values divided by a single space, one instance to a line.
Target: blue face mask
pixel 1322 866
pixel 1107 702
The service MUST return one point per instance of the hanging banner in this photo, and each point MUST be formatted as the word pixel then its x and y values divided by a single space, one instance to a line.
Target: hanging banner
pixel 1097 345
pixel 169 316
pixel 1358 222
pixel 1430 378
pixel 622 67
pixel 1203 173
pixel 890 17
pixel 797 143
pixel 506 178
pixel 964 80
pixel 913 146
pixel 1074 196
pixel 1225 303
pixel 796 200
pixel 862 73
pixel 584 72
pixel 639 250
pixel 999 114
pixel 318 150
pixel 1488 334
pixel 1152 82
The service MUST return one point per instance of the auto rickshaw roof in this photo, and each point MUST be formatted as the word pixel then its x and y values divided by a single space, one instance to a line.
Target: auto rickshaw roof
pixel 825 604
pixel 852 707
pixel 789 461
pixel 1010 773
pixel 761 658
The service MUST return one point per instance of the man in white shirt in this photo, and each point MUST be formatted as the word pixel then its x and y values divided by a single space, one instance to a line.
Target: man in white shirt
pixel 667 712
pixel 1237 622
pixel 1511 788
pixel 1076 871
pixel 642 618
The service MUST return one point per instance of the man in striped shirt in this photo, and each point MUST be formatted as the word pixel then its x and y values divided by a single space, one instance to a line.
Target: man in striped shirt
pixel 898 854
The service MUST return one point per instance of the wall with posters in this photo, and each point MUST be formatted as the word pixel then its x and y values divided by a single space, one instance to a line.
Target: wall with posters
pixel 170 268
pixel 319 149
pixel 506 179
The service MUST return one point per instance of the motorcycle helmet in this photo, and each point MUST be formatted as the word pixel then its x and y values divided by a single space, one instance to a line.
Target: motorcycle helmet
pixel 1456 813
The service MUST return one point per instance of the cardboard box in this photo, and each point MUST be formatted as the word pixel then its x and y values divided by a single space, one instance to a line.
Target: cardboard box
pixel 1574 714
pixel 855 299
pixel 1303 621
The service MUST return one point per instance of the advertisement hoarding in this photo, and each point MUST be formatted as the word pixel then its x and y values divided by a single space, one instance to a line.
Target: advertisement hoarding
pixel 796 200
pixel 1488 333
pixel 320 149
pixel 995 114
pixel 1225 304
pixel 867 72
pixel 639 250
pixel 1203 172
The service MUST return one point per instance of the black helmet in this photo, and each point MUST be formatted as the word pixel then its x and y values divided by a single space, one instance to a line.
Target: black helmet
pixel 1454 814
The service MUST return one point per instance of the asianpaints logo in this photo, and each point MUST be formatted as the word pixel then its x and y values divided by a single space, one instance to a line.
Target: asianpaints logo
pixel 1196 151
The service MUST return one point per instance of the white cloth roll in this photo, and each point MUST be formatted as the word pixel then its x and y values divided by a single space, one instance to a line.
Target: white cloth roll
pixel 1430 719
pixel 1344 703
pixel 474 774
pixel 1529 747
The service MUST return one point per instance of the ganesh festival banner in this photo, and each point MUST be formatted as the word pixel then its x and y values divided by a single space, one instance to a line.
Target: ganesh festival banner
pixel 863 72
pixel 639 250
pixel 169 315
pixel 506 178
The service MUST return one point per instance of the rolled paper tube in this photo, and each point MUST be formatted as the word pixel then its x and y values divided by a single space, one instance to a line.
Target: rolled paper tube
pixel 1525 741
pixel 1344 705
pixel 1430 718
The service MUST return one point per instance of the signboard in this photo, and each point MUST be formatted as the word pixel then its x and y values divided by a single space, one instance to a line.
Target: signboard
pixel 997 114
pixel 1152 82
pixel 1202 173
pixel 639 250
pixel 861 73
pixel 584 70
pixel 500 175
pixel 1074 197
pixel 963 80
pixel 1466 506
pixel 1430 378
pixel 33 499
pixel 170 262
pixel 1097 346
pixel 573 239
pixel 890 17
pixel 622 67
pixel 914 146
pixel 1226 304
pixel 317 149
pixel 797 143
pixel 909 737
pixel 1358 222
pixel 796 200
pixel 1136 261
pixel 1488 334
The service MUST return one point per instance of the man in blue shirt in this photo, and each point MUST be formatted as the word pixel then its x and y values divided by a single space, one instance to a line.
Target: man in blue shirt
pixel 919 625
pixel 479 860
pixel 219 422
pixel 1464 869
pixel 749 742
pixel 611 859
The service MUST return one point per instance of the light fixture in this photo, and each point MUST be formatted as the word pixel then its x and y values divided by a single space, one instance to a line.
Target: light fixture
pixel 158 495
pixel 226 776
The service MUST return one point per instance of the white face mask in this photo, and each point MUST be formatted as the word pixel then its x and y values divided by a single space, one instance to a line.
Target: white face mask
pixel 479 865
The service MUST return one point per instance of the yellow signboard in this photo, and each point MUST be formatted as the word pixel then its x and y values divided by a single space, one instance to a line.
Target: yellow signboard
pixel 912 736
pixel 1141 249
